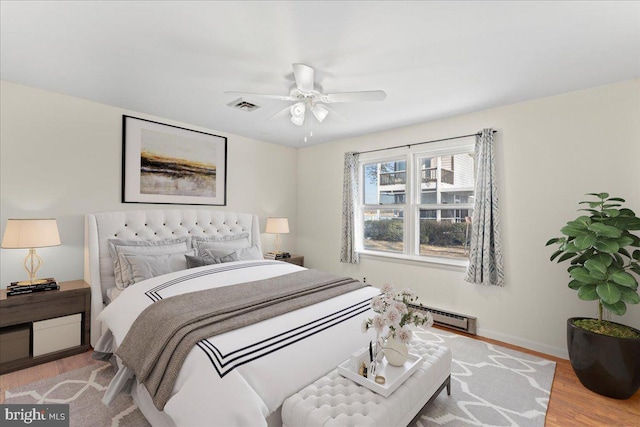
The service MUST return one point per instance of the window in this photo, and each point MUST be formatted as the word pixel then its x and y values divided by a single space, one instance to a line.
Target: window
pixel 418 205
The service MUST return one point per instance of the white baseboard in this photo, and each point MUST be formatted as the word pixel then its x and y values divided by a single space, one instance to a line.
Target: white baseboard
pixel 520 342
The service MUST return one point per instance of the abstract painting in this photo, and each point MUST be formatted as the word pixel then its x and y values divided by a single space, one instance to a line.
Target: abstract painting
pixel 170 164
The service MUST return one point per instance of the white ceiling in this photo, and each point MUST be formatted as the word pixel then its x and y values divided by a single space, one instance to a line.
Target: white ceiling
pixel 433 59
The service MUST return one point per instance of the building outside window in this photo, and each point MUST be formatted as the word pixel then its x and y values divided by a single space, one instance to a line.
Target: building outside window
pixel 418 205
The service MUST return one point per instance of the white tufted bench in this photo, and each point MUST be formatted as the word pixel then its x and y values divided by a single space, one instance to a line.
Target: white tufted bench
pixel 334 400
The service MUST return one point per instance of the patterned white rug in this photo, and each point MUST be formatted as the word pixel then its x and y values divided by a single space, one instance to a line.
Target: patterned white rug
pixel 490 386
pixel 82 389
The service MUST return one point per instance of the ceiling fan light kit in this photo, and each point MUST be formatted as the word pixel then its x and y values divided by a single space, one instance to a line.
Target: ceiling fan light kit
pixel 309 96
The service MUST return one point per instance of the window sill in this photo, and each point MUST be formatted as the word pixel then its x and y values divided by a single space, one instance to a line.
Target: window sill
pixel 436 262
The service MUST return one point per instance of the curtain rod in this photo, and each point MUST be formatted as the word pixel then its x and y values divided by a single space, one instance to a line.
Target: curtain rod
pixel 425 142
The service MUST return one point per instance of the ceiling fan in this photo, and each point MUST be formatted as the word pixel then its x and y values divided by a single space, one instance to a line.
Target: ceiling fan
pixel 308 96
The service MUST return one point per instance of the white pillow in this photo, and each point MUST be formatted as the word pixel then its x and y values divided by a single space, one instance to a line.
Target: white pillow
pixel 118 247
pixel 226 243
pixel 147 266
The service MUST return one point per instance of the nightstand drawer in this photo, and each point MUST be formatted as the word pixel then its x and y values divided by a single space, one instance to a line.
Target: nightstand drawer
pixel 34 309
pixel 56 334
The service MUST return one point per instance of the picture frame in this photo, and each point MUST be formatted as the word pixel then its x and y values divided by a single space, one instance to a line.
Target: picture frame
pixel 165 164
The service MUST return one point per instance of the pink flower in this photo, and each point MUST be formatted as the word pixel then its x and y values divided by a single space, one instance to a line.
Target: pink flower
pixel 428 320
pixel 408 293
pixel 377 303
pixel 378 323
pixel 400 306
pixel 403 335
pixel 393 316
pixel 387 289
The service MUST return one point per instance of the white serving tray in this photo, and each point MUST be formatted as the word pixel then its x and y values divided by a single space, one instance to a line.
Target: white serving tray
pixel 394 375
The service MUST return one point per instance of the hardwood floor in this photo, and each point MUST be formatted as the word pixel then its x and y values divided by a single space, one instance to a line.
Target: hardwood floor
pixel 570 405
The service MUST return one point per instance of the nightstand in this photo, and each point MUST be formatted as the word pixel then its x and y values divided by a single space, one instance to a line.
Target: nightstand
pixel 294 259
pixel 18 314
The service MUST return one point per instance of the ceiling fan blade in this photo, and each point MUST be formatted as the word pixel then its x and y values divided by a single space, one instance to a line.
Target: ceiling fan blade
pixel 367 95
pixel 334 112
pixel 264 95
pixel 304 77
pixel 284 112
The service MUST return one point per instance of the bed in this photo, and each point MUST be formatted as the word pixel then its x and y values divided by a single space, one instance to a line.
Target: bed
pixel 240 377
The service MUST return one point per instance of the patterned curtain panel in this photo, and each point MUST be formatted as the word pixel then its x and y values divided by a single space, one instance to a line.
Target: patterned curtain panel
pixel 350 192
pixel 485 255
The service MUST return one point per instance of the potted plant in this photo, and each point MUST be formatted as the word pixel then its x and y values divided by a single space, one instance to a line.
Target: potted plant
pixel 600 246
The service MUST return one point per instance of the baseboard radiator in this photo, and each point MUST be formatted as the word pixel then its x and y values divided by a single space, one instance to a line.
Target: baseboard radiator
pixel 447 319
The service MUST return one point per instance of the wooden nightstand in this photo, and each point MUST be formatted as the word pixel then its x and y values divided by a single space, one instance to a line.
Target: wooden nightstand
pixel 22 310
pixel 294 259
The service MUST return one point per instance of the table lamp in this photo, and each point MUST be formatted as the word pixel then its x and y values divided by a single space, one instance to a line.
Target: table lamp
pixel 31 234
pixel 277 226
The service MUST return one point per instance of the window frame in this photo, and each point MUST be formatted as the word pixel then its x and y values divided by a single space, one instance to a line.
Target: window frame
pixel 411 207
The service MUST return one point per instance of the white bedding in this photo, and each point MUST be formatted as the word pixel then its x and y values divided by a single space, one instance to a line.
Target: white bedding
pixel 238 378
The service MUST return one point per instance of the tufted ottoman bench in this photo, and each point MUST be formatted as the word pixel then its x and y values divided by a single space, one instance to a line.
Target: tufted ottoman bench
pixel 334 400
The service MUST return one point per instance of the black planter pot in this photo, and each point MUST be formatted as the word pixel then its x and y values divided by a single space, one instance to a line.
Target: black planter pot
pixel 609 366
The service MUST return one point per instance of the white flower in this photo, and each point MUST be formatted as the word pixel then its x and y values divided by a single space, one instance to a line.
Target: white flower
pixel 378 323
pixel 387 289
pixel 403 335
pixel 393 316
pixel 377 303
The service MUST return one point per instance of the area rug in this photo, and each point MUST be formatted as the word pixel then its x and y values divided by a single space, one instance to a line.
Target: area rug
pixel 82 389
pixel 490 385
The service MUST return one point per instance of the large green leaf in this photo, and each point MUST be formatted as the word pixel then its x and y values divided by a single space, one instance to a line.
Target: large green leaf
pixel 581 274
pixel 604 230
pixel 594 264
pixel 624 279
pixel 555 255
pixel 573 231
pixel 624 241
pixel 618 308
pixel 566 256
pixel 617 199
pixel 604 258
pixel 575 285
pixel 588 293
pixel 552 241
pixel 607 246
pixel 635 268
pixel 629 296
pixel 609 292
pixel 612 212
pixel 585 241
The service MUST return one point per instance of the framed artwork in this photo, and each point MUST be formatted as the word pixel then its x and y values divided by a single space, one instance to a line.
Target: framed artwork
pixel 173 165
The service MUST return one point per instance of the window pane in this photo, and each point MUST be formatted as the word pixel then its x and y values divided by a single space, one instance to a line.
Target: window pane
pixel 445 173
pixel 385 183
pixel 445 232
pixel 383 230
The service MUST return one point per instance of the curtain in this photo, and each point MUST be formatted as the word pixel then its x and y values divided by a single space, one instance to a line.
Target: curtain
pixel 350 194
pixel 485 250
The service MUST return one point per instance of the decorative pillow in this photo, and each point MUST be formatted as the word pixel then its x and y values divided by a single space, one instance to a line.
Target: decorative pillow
pixel 196 261
pixel 243 254
pixel 226 243
pixel 161 247
pixel 148 266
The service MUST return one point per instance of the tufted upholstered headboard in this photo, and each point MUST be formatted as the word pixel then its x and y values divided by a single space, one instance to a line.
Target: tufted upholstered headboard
pixel 149 225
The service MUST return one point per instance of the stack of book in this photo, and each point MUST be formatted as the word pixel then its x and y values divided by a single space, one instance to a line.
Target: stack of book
pixel 277 255
pixel 48 284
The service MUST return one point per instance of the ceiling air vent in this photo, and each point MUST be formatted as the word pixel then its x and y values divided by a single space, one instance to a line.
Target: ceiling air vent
pixel 243 105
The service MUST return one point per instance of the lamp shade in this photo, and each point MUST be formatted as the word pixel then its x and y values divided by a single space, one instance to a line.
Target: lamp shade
pixel 30 233
pixel 277 225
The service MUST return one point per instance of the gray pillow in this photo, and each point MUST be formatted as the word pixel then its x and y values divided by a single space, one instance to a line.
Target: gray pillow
pixel 243 254
pixel 118 247
pixel 199 261
pixel 147 266
pixel 226 243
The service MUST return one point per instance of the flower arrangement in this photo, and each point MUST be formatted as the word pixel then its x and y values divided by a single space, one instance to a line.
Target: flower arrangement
pixel 393 312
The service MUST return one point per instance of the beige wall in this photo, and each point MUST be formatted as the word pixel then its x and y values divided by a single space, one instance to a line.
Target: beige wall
pixel 61 157
pixel 549 153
